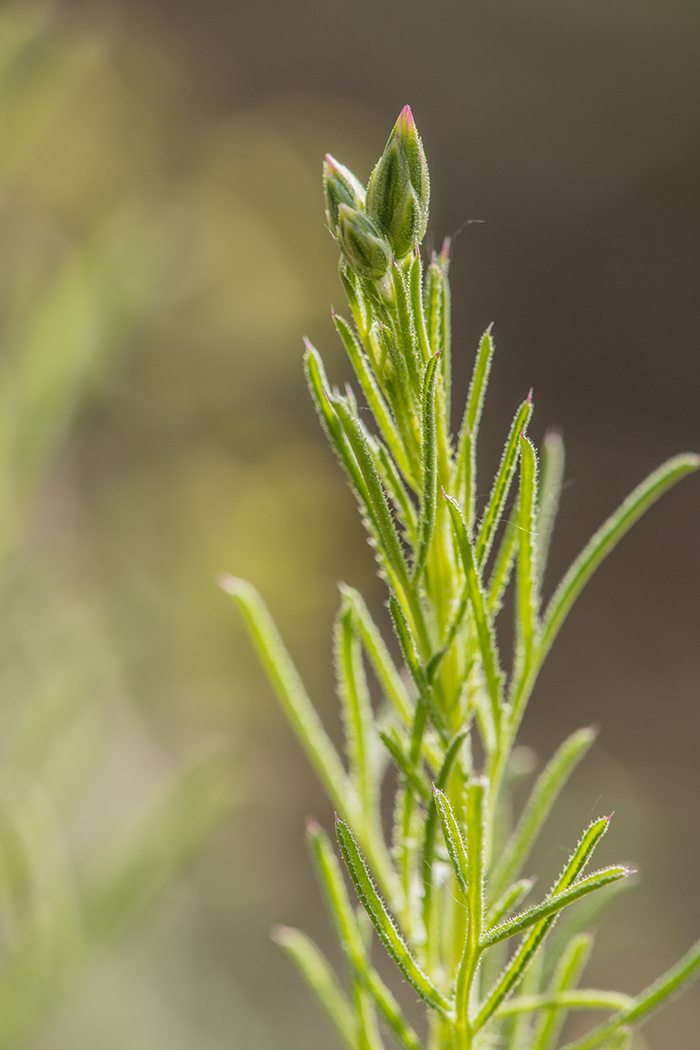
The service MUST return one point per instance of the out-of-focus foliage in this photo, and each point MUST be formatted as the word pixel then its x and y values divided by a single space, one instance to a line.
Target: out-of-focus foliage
pixel 153 284
pixel 83 256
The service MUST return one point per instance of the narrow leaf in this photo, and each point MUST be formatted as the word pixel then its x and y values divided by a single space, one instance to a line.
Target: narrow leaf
pixel 544 794
pixel 456 846
pixel 477 792
pixel 416 285
pixel 566 977
pixel 320 392
pixel 553 904
pixel 383 922
pixel 503 565
pixel 431 822
pixel 406 329
pixel 391 543
pixel 358 716
pixel 524 954
pixel 319 976
pixel 553 461
pixel 383 666
pixel 350 938
pixel 465 482
pixel 408 768
pixel 607 537
pixel 374 397
pixel 484 628
pixel 502 483
pixel 527 600
pixel 508 900
pixel 285 680
pixel 391 479
pixel 403 633
pixel 584 999
pixel 654 996
pixel 429 467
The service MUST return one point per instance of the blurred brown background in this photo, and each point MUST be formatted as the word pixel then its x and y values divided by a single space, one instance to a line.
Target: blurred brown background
pixel 570 131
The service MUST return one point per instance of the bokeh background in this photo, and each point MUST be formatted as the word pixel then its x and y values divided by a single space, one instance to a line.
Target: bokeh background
pixel 162 252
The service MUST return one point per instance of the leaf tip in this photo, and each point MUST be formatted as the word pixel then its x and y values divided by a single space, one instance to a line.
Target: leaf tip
pixel 230 584
pixel 279 934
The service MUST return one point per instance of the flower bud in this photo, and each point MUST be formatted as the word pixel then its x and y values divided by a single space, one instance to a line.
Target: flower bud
pixel 363 243
pixel 398 194
pixel 340 187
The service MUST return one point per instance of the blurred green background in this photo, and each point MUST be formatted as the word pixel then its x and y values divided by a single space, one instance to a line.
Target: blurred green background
pixel 162 252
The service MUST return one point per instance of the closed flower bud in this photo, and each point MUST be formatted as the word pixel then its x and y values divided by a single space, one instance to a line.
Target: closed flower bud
pixel 398 195
pixel 340 187
pixel 363 243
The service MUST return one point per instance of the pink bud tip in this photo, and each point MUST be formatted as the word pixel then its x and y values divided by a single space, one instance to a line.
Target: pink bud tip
pixel 312 825
pixel 406 119
pixel 529 397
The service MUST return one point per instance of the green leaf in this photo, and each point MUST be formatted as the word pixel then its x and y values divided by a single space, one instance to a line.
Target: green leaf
pixel 502 483
pixel 584 999
pixel 390 542
pixel 383 666
pixel 606 538
pixel 465 463
pixel 318 975
pixel 429 467
pixel 484 628
pixel 406 328
pixel 405 638
pixel 391 479
pixel 456 846
pixel 527 599
pixel 358 302
pixel 508 900
pixel 416 288
pixel 320 392
pixel 350 938
pixel 580 918
pixel 566 977
pixel 285 680
pixel 383 922
pixel 503 565
pixel 408 768
pixel 524 954
pixel 553 904
pixel 431 822
pixel 553 461
pixel 477 792
pixel 544 794
pixel 358 717
pixel 375 399
pixel 644 1004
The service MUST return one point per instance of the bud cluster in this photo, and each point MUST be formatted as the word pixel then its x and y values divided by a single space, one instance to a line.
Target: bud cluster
pixel 388 220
